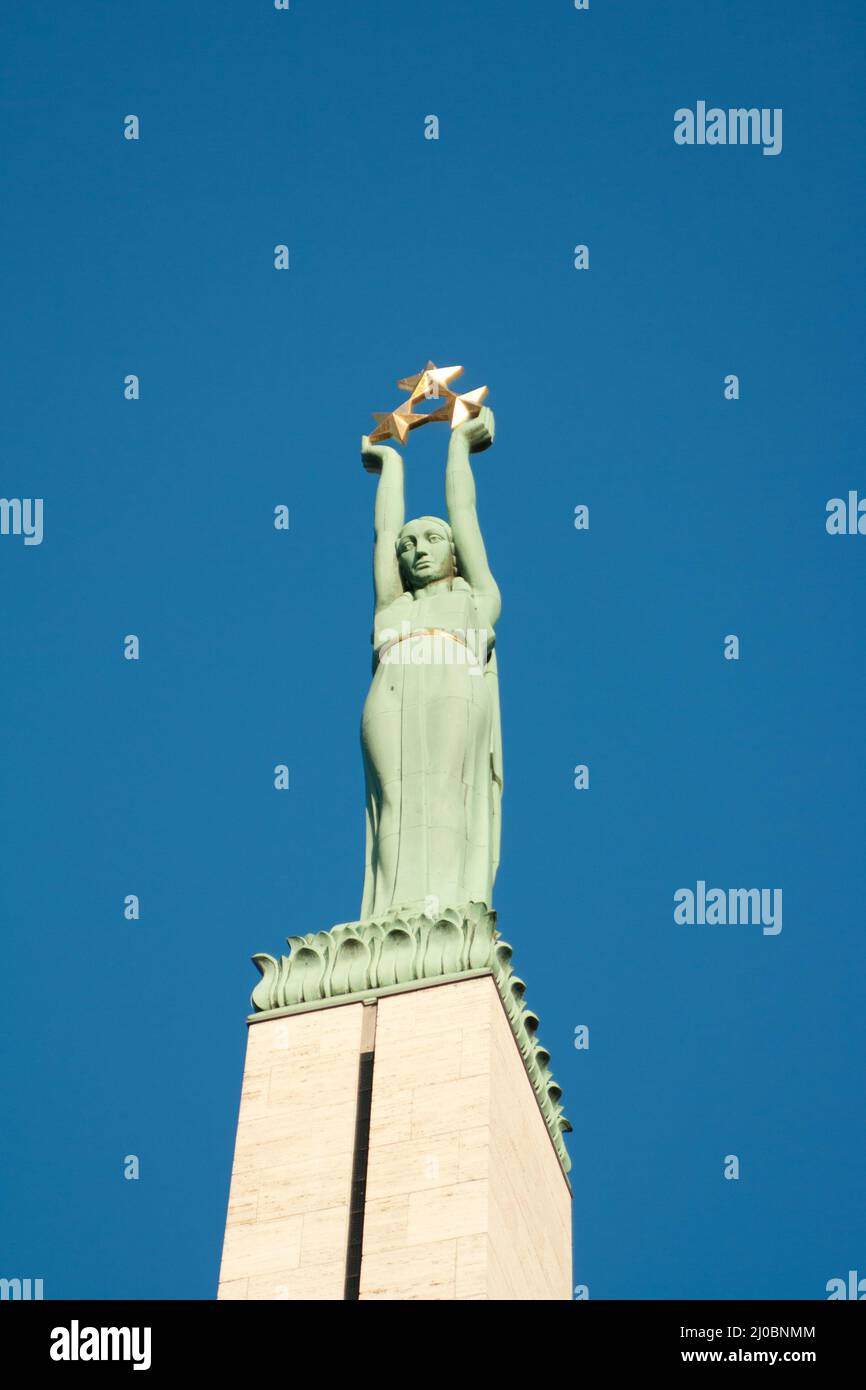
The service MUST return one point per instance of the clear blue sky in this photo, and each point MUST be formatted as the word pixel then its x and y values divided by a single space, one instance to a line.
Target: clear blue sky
pixel 707 518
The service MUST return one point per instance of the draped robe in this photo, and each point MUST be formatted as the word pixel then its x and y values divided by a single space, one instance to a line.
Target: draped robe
pixel 432 745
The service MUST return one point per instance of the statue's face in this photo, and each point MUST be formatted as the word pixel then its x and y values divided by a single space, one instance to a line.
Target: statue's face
pixel 424 552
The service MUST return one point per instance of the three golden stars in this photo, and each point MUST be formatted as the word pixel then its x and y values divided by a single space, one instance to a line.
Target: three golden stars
pixel 431 384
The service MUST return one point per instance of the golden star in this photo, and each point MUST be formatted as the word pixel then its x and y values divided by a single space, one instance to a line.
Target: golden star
pixel 430 383
pixel 456 409
pixel 466 407
pixel 396 424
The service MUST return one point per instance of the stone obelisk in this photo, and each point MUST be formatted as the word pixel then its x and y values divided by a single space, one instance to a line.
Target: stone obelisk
pixel 400 1132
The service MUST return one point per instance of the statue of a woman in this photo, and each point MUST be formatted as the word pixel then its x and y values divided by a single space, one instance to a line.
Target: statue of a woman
pixel 430 731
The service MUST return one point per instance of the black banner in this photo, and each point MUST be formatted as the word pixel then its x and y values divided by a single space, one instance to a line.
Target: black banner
pixel 63 1338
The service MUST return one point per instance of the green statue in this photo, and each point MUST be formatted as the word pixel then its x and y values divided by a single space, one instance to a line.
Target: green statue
pixel 430 730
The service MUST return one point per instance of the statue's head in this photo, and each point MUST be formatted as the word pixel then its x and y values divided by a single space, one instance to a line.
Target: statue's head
pixel 425 551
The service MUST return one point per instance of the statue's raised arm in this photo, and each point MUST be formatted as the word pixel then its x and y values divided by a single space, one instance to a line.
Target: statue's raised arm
pixel 470 438
pixel 388 519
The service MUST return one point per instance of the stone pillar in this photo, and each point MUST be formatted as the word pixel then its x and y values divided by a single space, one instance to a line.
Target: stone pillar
pixel 458 1188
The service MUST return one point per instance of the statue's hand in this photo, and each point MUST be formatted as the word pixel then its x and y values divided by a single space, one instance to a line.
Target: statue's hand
pixel 478 433
pixel 374 455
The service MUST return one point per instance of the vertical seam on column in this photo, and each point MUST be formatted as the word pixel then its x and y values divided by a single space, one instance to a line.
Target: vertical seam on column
pixel 358 1191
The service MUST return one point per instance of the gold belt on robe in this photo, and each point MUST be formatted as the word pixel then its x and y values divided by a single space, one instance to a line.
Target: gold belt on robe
pixel 422 632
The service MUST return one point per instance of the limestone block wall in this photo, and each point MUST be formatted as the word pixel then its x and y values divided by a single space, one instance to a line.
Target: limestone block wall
pixel 466 1198
pixel 287 1227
